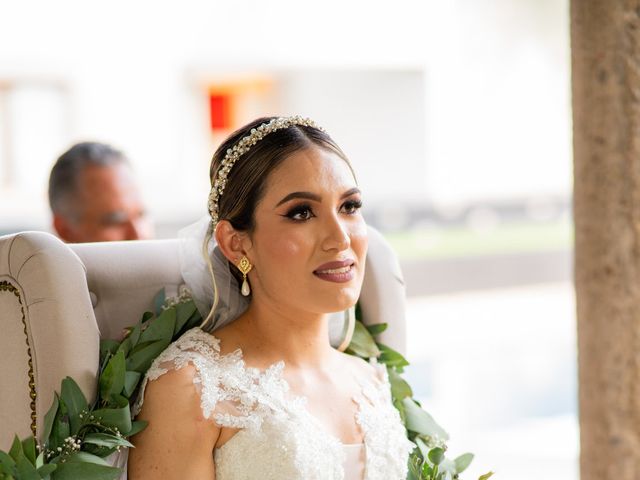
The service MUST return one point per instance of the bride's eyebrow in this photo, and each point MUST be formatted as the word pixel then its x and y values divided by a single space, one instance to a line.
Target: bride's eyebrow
pixel 306 195
pixel 350 192
pixel 313 196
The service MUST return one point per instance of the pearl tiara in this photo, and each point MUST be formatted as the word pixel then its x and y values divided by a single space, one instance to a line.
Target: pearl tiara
pixel 242 147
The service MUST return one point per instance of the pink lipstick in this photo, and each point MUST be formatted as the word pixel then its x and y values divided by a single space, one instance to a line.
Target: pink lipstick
pixel 338 272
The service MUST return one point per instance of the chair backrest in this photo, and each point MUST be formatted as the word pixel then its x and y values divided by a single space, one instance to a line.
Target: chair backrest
pixel 57 301
pixel 47 329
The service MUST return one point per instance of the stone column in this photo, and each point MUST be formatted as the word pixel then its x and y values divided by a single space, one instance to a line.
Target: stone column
pixel 605 40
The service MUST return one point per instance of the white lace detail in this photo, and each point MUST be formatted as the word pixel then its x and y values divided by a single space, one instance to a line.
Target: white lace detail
pixel 277 437
pixel 387 445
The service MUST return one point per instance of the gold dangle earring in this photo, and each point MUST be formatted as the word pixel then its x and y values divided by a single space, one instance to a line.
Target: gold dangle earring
pixel 244 265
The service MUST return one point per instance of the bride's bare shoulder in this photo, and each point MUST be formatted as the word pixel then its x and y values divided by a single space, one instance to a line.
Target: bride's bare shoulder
pixel 173 411
pixel 175 388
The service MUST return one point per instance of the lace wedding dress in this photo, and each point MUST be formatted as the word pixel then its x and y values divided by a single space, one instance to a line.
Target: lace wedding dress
pixel 278 438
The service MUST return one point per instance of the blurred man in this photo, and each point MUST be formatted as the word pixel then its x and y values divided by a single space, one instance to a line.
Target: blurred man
pixel 94 197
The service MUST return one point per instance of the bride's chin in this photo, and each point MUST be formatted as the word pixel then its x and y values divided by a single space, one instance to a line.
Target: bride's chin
pixel 340 302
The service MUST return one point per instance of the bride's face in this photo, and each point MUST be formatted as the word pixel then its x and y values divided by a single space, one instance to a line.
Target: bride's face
pixel 310 240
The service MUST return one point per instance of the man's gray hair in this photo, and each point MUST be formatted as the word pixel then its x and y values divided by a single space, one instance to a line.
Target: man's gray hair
pixel 63 181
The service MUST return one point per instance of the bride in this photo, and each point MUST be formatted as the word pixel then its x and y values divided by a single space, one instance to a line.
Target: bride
pixel 265 396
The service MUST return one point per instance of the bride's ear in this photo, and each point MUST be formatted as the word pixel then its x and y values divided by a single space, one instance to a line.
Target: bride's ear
pixel 233 243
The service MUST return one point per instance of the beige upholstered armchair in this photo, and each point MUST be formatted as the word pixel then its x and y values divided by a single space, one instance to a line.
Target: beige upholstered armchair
pixel 57 301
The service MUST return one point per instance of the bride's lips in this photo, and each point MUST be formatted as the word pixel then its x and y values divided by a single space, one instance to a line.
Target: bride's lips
pixel 338 272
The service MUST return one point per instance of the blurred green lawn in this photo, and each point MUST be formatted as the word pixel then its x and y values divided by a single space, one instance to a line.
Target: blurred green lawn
pixel 436 243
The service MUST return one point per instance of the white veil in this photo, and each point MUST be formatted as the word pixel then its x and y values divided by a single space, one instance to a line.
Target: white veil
pixel 195 272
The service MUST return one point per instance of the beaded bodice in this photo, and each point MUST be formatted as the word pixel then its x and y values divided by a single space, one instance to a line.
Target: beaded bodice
pixel 277 437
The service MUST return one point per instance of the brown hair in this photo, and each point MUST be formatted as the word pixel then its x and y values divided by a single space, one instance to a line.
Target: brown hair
pixel 246 181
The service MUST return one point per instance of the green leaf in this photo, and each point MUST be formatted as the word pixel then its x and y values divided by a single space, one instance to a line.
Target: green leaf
pixel 184 311
pixel 26 470
pixel 161 328
pixel 16 449
pixel 462 462
pixel 6 460
pixel 108 347
pixel 7 473
pixel 131 380
pixel 399 387
pixel 436 455
pixel 102 452
pixel 424 450
pixel 23 467
pixel 136 427
pixel 137 330
pixel 141 360
pixel 45 470
pixel 377 328
pixel 486 476
pixel 77 470
pixel 415 467
pixel 29 449
pixel 158 301
pixel 106 440
pixel 125 346
pixel 84 457
pixel 420 421
pixel 194 321
pixel 362 343
pixel 60 429
pixel 40 460
pixel 48 420
pixel 75 402
pixel 427 471
pixel 113 377
pixel 390 357
pixel 140 346
pixel 358 312
pixel 119 418
pixel 117 401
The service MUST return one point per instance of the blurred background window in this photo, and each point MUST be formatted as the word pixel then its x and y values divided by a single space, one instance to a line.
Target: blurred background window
pixel 34 124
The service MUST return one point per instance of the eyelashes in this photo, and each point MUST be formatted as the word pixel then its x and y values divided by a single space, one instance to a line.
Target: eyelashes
pixel 300 213
pixel 304 212
pixel 353 206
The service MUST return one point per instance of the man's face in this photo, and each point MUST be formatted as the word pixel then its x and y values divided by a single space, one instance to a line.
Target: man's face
pixel 107 207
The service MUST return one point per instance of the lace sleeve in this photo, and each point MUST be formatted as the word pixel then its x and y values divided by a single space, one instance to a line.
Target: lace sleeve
pixel 197 348
pixel 226 389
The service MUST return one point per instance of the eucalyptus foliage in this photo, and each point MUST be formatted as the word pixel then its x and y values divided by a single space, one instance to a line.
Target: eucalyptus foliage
pixel 428 461
pixel 78 436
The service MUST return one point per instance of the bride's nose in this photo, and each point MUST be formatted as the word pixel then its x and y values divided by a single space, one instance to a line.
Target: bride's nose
pixel 336 235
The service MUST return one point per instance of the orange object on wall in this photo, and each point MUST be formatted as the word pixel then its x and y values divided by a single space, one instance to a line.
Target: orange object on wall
pixel 220 111
pixel 234 101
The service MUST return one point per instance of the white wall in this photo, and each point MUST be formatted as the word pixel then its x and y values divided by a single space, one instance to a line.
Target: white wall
pixel 494 87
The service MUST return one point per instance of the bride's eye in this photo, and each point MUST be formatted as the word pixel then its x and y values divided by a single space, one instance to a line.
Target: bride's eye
pixel 300 213
pixel 351 207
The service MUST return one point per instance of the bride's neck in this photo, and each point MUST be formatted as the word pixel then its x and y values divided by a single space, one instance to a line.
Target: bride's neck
pixel 299 338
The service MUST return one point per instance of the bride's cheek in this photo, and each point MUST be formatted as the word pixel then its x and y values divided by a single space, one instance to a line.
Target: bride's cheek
pixel 284 254
pixel 359 237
